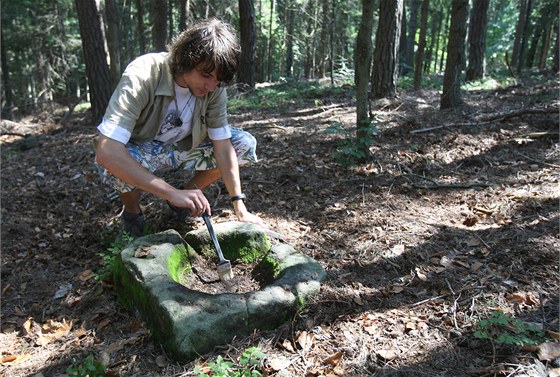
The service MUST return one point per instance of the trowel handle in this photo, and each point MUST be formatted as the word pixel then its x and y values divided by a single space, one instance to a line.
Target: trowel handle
pixel 213 236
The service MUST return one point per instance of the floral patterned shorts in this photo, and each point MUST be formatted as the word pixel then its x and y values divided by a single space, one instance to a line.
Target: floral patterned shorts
pixel 158 157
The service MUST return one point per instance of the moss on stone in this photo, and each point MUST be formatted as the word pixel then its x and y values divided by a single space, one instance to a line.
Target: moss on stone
pixel 178 264
pixel 243 244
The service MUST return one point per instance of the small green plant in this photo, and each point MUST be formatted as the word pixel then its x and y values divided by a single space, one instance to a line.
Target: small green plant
pixel 249 362
pixel 353 150
pixel 108 256
pixel 504 330
pixel 89 367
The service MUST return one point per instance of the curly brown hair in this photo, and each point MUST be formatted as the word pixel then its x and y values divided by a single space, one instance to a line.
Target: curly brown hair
pixel 208 45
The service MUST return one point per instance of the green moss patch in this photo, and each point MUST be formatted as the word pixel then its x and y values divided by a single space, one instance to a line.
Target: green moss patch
pixel 240 242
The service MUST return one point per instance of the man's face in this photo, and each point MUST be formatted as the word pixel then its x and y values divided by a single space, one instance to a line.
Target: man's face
pixel 198 81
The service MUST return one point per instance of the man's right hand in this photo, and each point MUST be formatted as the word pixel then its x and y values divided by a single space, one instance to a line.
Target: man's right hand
pixel 194 200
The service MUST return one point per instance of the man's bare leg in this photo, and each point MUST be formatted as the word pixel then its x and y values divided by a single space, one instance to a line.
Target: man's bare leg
pixel 203 179
pixel 131 201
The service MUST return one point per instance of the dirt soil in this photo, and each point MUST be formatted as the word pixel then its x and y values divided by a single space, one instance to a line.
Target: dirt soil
pixel 442 227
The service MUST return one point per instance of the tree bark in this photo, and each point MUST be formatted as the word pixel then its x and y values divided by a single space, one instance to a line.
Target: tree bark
pixel 451 96
pixel 477 40
pixel 6 82
pixel 141 27
pixel 411 37
pixel 519 34
pixel 113 41
pixel 95 56
pixel 322 50
pixel 184 8
pixel 288 71
pixel 248 33
pixel 418 65
pixel 556 57
pixel 385 59
pixel 270 42
pixel 159 28
pixel 364 46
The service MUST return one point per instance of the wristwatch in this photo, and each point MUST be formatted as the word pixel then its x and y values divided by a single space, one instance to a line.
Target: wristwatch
pixel 238 197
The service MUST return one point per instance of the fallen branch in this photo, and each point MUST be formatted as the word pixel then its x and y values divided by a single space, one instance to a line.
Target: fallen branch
pixel 491 119
pixel 537 161
pixel 437 185
pixel 449 126
pixel 518 113
pixel 451 186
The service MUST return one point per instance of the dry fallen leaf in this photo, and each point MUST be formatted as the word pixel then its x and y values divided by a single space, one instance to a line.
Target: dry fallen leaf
pixel 371 330
pixel 103 323
pixel 8 359
pixel 14 360
pixel 549 351
pixel 31 328
pixel 387 354
pixel 553 334
pixel 396 289
pixel 54 330
pixel 85 275
pixel 305 340
pixel 288 346
pixel 142 252
pixel 334 359
pixel 279 363
pixel 476 265
pixel 473 241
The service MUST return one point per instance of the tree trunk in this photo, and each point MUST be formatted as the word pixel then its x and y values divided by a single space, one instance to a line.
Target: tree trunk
pixel 332 25
pixel 288 71
pixel 418 65
pixel 95 56
pixel 437 37
pixel 184 7
pixel 322 51
pixel 113 41
pixel 451 96
pixel 170 23
pixel 477 40
pixel 141 27
pixel 270 42
pixel 310 28
pixel 556 58
pixel 519 34
pixel 411 37
pixel 385 59
pixel 159 28
pixel 445 32
pixel 362 60
pixel 248 33
pixel 6 82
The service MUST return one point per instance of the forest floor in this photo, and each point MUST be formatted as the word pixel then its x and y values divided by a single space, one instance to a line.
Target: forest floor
pixel 441 229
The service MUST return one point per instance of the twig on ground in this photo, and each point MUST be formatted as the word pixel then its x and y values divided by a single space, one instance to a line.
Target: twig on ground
pixel 537 161
pixel 452 186
pixel 491 119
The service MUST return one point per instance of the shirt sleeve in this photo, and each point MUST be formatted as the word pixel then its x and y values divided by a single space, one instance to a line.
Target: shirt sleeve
pixel 220 133
pixel 113 131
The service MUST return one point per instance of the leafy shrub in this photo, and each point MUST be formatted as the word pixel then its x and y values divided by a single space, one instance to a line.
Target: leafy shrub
pixel 504 330
pixel 87 368
pixel 249 362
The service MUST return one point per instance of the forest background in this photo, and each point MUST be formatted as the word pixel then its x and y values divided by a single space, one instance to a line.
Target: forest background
pixel 431 194
pixel 43 61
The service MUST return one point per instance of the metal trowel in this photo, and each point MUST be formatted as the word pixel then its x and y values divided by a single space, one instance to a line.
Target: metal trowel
pixel 224 265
